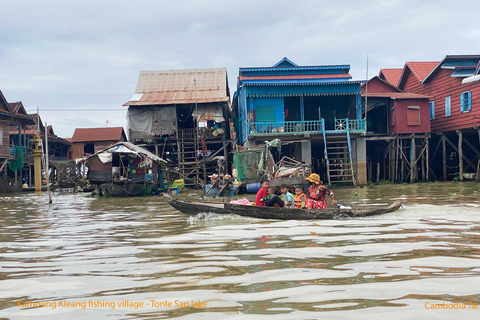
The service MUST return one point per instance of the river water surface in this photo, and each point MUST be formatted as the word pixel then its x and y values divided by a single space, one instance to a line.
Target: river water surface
pixel 95 258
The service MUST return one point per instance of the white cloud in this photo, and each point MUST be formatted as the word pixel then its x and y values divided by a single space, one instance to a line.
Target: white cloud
pixel 61 54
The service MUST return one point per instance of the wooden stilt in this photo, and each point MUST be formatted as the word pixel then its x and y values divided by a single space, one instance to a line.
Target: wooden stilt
pixel 444 154
pixel 403 166
pixel 390 147
pixel 478 163
pixel 397 162
pixel 378 172
pixel 413 157
pixel 423 165
pixel 427 156
pixel 385 157
pixel 460 154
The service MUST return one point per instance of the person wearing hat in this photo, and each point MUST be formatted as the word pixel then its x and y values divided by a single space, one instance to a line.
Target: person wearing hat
pixel 317 193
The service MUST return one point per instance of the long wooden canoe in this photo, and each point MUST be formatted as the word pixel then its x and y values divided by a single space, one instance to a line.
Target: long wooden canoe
pixel 194 208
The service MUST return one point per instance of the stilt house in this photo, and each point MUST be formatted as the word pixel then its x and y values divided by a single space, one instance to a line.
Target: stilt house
pixel 183 115
pixel 454 89
pixel 315 110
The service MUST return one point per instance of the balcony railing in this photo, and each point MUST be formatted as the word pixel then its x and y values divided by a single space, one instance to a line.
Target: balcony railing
pixel 12 151
pixel 302 127
pixel 284 127
pixel 353 125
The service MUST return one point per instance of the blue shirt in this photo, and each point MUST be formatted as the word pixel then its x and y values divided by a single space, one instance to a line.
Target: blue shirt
pixel 289 198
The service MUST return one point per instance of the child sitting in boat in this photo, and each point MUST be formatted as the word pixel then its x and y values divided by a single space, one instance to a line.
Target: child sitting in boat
pixel 287 197
pixel 300 198
pixel 266 196
pixel 272 199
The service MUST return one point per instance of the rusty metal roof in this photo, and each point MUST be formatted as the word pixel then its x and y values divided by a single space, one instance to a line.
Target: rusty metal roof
pixel 98 134
pixel 178 87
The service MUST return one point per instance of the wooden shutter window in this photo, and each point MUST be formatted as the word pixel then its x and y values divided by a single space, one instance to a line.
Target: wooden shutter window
pixel 413 116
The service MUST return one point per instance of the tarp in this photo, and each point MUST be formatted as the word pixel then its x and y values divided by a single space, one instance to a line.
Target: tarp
pixel 17 164
pixel 209 112
pixel 105 157
pixel 139 119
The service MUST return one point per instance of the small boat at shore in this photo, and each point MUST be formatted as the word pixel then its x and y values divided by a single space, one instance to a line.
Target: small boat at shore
pixel 194 208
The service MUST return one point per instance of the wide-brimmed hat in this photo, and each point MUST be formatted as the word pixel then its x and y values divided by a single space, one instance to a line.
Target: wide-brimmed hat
pixel 314 178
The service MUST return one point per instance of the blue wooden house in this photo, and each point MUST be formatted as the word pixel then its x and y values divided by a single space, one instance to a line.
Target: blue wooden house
pixel 316 110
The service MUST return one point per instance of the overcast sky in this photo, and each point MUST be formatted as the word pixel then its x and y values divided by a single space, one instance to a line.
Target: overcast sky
pixel 77 55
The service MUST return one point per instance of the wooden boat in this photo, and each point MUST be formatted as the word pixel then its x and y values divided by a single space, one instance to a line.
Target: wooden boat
pixel 194 208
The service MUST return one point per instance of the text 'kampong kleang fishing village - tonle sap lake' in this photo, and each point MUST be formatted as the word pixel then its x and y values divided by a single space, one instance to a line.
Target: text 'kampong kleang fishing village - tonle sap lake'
pixel 305 194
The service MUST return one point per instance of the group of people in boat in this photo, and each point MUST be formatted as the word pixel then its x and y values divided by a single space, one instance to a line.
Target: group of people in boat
pixel 315 198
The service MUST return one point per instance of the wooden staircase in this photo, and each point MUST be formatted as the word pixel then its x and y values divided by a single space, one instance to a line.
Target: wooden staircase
pixel 338 158
pixel 188 159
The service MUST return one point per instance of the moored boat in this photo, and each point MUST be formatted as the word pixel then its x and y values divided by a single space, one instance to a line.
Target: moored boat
pixel 194 208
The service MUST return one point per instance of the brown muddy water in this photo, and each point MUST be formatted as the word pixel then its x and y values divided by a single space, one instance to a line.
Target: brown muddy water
pixel 96 258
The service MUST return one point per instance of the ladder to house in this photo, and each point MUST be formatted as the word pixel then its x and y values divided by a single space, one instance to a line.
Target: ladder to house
pixel 338 156
pixel 188 160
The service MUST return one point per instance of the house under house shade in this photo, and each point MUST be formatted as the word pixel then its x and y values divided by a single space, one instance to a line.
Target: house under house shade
pixel 317 109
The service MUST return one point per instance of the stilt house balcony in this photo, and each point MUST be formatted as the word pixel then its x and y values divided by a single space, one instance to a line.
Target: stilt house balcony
pixel 303 127
pixel 26 153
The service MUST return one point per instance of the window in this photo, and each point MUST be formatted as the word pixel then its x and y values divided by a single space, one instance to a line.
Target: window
pixel 413 116
pixel 432 109
pixel 89 148
pixel 392 117
pixel 466 101
pixel 1 137
pixel 448 109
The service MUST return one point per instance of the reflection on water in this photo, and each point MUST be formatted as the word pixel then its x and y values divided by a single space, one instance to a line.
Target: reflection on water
pixel 105 256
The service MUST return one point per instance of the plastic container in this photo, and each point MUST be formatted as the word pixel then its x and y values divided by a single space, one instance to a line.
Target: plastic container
pixel 149 177
pixel 178 184
pixel 209 191
pixel 173 191
pixel 253 187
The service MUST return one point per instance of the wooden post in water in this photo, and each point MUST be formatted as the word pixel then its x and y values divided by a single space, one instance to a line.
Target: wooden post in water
pixel 413 157
pixel 423 160
pixel 402 170
pixel 478 163
pixel 444 152
pixel 396 158
pixel 460 153
pixel 427 156
pixel 47 173
pixel 378 172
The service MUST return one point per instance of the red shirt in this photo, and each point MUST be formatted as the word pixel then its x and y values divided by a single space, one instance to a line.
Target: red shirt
pixel 262 193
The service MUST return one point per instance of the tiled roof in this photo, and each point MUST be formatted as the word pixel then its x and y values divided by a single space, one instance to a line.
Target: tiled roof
pixel 422 69
pixel 392 76
pixel 181 87
pixel 98 134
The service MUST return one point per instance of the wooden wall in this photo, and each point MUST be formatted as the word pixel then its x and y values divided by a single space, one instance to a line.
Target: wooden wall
pixel 5 145
pixel 441 86
pixel 77 150
pixel 401 110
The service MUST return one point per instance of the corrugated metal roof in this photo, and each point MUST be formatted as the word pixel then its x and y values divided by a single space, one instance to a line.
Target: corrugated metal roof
pixel 392 76
pixel 297 76
pixel 178 87
pixel 298 82
pixel 98 134
pixel 299 68
pixel 117 148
